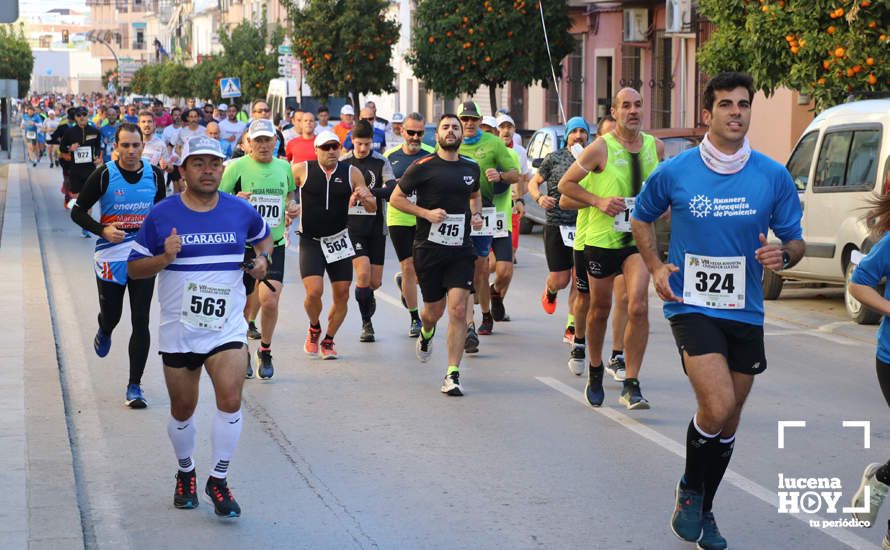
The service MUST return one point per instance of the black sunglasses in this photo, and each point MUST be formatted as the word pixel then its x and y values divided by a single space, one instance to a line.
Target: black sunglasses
pixel 414 132
pixel 332 146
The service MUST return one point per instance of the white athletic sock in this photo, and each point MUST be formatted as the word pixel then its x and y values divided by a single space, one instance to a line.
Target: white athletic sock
pixel 226 431
pixel 182 436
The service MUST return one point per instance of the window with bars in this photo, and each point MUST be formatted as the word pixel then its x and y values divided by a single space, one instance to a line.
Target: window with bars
pixel 575 78
pixel 662 83
pixel 552 111
pixel 631 67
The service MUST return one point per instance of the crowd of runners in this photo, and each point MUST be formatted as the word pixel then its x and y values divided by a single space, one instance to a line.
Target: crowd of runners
pixel 207 198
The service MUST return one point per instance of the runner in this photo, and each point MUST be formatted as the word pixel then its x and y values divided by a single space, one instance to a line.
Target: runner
pixel 498 171
pixel 230 129
pixel 366 229
pixel 618 163
pixel 260 109
pixel 108 131
pixel 402 226
pixel 196 242
pixel 50 125
pixel 867 278
pixel 81 151
pixel 561 232
pixel 506 130
pixel 154 150
pixel 394 133
pixel 191 128
pixel 328 189
pixel 125 189
pixel 347 118
pixel 448 203
pixel 302 147
pixel 324 120
pixel 31 124
pixel 715 303
pixel 379 136
pixel 268 185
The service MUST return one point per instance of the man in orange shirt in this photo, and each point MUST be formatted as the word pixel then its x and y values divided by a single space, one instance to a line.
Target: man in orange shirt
pixel 347 119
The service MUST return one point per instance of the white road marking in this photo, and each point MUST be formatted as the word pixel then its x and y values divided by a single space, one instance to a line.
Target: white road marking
pixel 749 486
pixel 388 299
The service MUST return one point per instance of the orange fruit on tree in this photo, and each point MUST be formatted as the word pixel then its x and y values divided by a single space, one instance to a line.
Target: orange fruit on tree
pixel 865 3
pixel 789 38
pixel 826 64
pixel 821 80
pixel 872 79
pixel 870 61
pixel 830 30
pixel 857 68
pixel 794 50
pixel 839 52
pixel 872 24
pixel 850 72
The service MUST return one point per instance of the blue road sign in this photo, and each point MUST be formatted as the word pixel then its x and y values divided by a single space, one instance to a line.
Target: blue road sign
pixel 230 87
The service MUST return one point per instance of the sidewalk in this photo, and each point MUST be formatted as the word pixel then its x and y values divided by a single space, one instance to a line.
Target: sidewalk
pixel 41 508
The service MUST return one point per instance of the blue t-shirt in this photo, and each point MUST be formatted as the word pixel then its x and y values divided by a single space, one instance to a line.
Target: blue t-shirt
pixel 721 216
pixel 871 269
pixel 378 141
pixel 107 134
pixel 209 263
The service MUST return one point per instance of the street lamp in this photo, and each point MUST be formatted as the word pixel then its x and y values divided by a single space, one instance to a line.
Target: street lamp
pixel 102 37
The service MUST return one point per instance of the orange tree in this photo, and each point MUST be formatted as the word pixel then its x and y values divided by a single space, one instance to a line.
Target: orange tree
pixel 345 46
pixel 457 46
pixel 829 49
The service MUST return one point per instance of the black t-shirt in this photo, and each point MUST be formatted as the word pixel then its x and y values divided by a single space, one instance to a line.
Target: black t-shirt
pixel 441 184
pixel 380 181
pixel 87 136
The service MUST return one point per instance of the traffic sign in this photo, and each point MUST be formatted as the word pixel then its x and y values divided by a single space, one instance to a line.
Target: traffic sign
pixel 284 49
pixel 9 12
pixel 230 87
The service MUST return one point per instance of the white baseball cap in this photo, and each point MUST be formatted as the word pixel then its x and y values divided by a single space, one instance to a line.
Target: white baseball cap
pixel 201 145
pixel 222 106
pixel 490 121
pixel 326 136
pixel 398 118
pixel 347 110
pixel 261 127
pixel 502 118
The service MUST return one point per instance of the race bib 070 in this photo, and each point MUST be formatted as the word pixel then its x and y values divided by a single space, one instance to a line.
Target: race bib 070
pixel 714 281
pixel 268 207
pixel 449 232
pixel 204 305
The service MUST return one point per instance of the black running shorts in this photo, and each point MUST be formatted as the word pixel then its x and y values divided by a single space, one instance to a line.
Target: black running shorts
pixel 313 263
pixel 582 284
pixel 440 269
pixel 402 237
pixel 373 246
pixel 606 262
pixel 559 256
pixel 275 271
pixel 502 248
pixel 194 361
pixel 740 343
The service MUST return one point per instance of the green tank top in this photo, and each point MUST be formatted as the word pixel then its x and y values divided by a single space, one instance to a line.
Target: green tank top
pixel 581 219
pixel 490 152
pixel 616 180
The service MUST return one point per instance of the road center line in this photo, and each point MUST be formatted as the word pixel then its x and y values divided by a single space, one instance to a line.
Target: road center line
pixel 749 486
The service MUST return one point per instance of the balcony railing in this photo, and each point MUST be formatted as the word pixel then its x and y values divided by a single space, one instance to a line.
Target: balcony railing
pixel 138 45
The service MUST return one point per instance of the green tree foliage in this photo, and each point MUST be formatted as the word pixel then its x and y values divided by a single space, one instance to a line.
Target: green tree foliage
pixel 457 46
pixel 146 79
pixel 174 80
pixel 345 46
pixel 826 48
pixel 16 59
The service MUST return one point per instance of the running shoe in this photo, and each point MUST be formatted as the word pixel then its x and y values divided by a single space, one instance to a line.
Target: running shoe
pixel 451 385
pixel 424 348
pixel 327 349
pixel 311 345
pixel 548 301
pixel 217 490
pixel 249 374
pixel 632 397
pixel 414 329
pixel 877 492
pixel 397 279
pixel 135 397
pixel 568 336
pixel 252 331
pixel 498 313
pixel 372 305
pixel 885 544
pixel 711 539
pixel 471 345
pixel 616 368
pixel 367 332
pixel 686 522
pixel 577 360
pixel 594 389
pixel 487 325
pixel 102 343
pixel 186 495
pixel 264 361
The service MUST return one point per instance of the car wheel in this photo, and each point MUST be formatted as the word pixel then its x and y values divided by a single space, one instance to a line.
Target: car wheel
pixel 772 285
pixel 860 314
pixel 525 226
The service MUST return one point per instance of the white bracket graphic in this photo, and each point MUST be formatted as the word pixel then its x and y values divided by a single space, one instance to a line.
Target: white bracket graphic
pixel 866 430
pixel 788 424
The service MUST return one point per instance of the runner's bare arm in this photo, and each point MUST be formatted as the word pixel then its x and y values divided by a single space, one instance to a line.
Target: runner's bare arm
pixel 870 298
pixel 592 159
pixel 659 149
pixel 299 169
pixel 568 203
pixel 644 235
pixel 361 191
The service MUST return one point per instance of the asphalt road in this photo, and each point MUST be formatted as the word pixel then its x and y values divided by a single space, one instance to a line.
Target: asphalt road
pixel 364 452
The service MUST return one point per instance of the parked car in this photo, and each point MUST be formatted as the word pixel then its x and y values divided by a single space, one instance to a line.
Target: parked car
pixel 542 143
pixel 840 161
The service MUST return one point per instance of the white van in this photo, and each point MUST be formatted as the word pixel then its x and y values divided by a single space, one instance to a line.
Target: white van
pixel 841 160
pixel 282 96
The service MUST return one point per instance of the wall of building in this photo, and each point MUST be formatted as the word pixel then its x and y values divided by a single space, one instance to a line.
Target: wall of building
pixel 777 122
